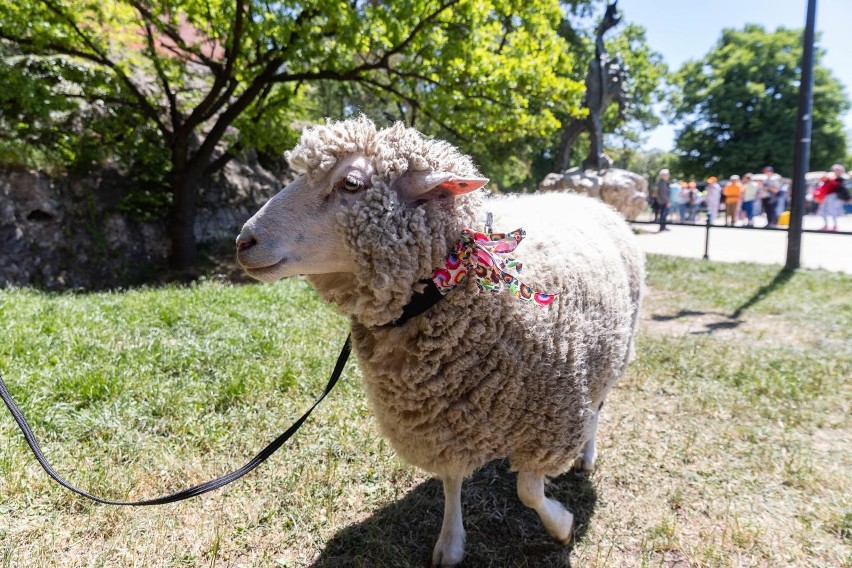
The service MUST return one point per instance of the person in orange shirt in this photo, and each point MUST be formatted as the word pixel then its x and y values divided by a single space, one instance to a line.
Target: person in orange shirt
pixel 732 192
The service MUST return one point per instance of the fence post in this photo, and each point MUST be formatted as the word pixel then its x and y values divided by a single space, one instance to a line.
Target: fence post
pixel 803 142
pixel 707 238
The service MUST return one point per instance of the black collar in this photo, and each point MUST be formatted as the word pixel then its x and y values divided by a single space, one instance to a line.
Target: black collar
pixel 420 302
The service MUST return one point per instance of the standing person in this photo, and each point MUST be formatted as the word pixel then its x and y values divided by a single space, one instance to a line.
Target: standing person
pixel 662 195
pixel 769 195
pixel 781 199
pixel 749 196
pixel 832 204
pixel 674 191
pixel 692 203
pixel 732 193
pixel 655 209
pixel 713 197
pixel 682 202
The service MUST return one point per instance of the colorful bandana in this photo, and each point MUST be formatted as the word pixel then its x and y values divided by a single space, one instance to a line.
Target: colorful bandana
pixel 478 253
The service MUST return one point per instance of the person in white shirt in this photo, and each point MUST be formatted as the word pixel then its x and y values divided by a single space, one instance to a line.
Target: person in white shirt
pixel 713 197
pixel 749 196
pixel 769 195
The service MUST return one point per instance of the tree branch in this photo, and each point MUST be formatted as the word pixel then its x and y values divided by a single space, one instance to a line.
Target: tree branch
pixel 175 36
pixel 220 162
pixel 161 73
pixel 445 126
pixel 222 100
pixel 199 160
pixel 382 63
pixel 214 99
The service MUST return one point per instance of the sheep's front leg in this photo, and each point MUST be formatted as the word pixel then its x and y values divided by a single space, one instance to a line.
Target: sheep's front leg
pixel 557 520
pixel 450 547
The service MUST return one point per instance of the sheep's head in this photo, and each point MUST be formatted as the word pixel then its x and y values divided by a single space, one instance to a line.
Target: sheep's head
pixel 369 200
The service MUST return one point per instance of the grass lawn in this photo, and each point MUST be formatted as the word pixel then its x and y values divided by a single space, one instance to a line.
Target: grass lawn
pixel 729 442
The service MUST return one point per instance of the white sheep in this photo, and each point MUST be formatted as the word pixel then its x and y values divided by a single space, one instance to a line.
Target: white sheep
pixel 481 375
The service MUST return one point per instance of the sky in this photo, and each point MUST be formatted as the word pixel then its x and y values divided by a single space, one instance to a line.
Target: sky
pixel 681 30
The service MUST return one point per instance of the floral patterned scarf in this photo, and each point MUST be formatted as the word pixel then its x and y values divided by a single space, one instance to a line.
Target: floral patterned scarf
pixel 483 255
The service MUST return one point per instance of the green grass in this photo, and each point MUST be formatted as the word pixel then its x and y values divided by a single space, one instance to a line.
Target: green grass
pixel 727 444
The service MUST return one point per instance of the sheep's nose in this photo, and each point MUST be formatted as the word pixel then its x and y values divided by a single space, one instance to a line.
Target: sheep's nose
pixel 244 243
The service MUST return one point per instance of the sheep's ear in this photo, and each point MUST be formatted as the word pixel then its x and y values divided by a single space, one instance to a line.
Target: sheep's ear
pixel 414 186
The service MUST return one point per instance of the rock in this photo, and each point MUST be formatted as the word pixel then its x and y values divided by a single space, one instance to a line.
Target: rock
pixel 626 191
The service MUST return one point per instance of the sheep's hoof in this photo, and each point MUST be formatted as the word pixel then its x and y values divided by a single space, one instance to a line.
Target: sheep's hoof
pixel 584 466
pixel 448 552
pixel 565 530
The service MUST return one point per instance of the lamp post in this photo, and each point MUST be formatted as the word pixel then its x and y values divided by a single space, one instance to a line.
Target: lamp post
pixel 803 142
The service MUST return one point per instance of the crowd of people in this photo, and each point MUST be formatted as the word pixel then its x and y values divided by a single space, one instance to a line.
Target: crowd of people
pixel 743 199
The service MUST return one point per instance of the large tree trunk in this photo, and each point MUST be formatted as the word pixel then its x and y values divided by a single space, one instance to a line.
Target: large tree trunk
pixel 183 181
pixel 184 252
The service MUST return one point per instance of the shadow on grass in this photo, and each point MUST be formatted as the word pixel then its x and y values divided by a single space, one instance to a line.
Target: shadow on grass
pixel 679 315
pixel 709 328
pixel 777 282
pixel 500 530
pixel 733 320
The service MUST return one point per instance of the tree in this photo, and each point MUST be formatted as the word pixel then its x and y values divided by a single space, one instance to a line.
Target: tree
pixel 214 77
pixel 646 163
pixel 738 105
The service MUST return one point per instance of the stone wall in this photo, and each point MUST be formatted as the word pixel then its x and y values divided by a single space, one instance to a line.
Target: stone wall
pixel 57 232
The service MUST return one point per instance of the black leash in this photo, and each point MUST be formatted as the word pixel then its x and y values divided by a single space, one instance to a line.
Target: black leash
pixel 192 491
pixel 419 303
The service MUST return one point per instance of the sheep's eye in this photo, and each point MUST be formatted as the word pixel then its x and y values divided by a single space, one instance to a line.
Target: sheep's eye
pixel 352 183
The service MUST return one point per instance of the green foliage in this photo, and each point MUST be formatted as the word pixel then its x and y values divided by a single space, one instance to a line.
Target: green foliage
pixel 218 76
pixel 739 102
pixel 162 88
pixel 494 78
pixel 647 163
pixel 56 113
pixel 40 109
pixel 498 78
pixel 647 75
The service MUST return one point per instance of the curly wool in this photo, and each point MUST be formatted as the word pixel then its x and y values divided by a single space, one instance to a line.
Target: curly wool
pixel 479 376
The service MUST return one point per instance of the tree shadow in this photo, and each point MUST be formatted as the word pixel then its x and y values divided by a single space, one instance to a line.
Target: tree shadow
pixel 778 281
pixel 679 315
pixel 500 530
pixel 711 328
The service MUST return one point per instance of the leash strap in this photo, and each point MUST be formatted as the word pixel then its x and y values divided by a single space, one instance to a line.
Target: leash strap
pixel 420 302
pixel 192 491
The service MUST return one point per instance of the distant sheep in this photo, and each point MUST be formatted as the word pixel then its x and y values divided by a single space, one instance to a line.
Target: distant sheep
pixel 480 375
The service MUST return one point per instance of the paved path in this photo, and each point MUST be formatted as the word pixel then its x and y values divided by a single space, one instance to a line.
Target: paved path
pixel 828 251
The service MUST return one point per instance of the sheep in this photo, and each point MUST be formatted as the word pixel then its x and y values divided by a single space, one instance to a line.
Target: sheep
pixel 481 375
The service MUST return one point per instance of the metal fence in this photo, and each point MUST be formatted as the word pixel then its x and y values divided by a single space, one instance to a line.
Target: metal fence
pixel 708 227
